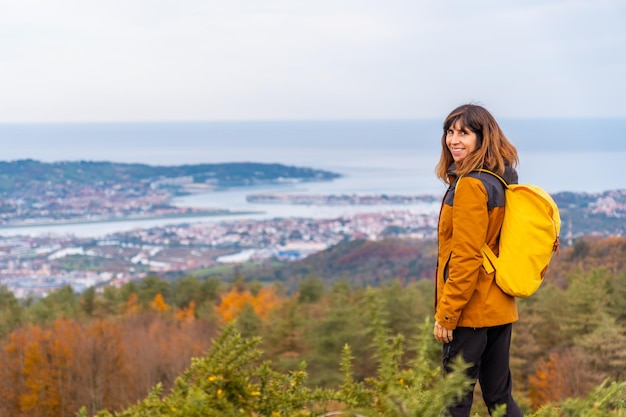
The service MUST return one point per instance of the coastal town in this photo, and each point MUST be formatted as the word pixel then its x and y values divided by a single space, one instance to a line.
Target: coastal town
pixel 338 200
pixel 32 266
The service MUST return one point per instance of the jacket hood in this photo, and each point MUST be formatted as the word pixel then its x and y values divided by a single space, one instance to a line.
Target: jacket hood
pixel 510 174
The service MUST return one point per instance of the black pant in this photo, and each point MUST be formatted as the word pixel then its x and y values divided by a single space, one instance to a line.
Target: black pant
pixel 486 350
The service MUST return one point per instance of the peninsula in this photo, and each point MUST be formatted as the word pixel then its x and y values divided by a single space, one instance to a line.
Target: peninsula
pixel 38 193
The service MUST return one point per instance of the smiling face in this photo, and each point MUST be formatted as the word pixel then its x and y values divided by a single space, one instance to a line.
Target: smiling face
pixel 460 141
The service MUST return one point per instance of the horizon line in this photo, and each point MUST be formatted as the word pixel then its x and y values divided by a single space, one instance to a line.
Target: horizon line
pixel 262 121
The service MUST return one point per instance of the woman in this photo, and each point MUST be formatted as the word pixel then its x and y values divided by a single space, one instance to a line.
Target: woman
pixel 473 317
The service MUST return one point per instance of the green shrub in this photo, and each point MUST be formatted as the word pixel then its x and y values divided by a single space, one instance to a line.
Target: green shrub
pixel 231 380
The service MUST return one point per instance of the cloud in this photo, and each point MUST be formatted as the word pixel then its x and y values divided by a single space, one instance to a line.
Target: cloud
pixel 73 60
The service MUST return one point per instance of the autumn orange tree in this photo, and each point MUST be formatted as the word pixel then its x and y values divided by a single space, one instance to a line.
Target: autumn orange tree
pixel 109 363
pixel 233 303
pixel 106 349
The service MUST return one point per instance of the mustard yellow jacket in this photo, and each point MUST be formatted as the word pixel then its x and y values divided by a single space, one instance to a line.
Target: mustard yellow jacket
pixel 471 214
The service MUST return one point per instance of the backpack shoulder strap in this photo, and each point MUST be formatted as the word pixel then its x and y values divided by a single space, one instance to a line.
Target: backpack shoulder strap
pixel 489 258
pixel 506 184
pixel 502 180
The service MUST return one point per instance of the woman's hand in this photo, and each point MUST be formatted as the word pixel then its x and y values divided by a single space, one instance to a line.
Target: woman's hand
pixel 442 334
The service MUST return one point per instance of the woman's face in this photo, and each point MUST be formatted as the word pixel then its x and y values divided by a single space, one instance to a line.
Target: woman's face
pixel 460 141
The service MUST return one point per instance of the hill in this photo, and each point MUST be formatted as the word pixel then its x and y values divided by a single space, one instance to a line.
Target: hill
pixel 35 192
pixel 358 262
pixel 587 254
pixel 371 263
pixel 143 334
pixel 15 175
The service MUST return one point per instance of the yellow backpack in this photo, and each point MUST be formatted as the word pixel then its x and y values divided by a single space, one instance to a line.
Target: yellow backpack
pixel 529 237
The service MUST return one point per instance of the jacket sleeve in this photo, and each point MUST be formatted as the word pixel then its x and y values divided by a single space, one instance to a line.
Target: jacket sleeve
pixel 470 221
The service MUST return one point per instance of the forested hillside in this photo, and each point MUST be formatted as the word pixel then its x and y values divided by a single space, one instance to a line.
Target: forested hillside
pixel 357 262
pixel 107 350
pixel 364 262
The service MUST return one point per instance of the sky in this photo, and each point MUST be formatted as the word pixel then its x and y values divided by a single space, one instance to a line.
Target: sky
pixel 193 60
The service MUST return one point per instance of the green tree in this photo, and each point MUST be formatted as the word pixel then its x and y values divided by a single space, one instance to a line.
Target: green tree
pixel 186 290
pixel 58 304
pixel 537 333
pixel 149 287
pixel 284 340
pixel 344 322
pixel 585 304
pixel 311 289
pixel 88 301
pixel 125 292
pixel 210 288
pixel 616 288
pixel 407 306
pixel 110 303
pixel 10 311
pixel 249 324
pixel 605 349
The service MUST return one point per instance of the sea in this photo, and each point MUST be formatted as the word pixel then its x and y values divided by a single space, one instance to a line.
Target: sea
pixel 373 157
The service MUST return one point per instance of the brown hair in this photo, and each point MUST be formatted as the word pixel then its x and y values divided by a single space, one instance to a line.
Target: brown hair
pixel 493 150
